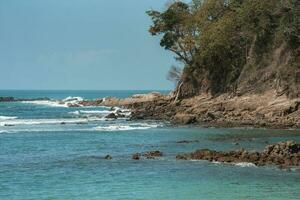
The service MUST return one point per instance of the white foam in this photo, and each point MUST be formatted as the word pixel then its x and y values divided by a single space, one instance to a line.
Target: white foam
pixel 47 121
pixel 245 164
pixel 118 127
pixel 95 111
pixel 47 103
pixel 4 118
pixel 55 103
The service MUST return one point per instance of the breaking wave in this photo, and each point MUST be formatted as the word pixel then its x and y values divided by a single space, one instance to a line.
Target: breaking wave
pixel 47 121
pixel 245 164
pixel 57 103
pixel 128 127
pixel 4 118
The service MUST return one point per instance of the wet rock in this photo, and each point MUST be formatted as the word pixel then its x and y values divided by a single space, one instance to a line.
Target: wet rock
pixel 152 154
pixel 283 155
pixel 9 125
pixel 70 105
pixel 187 141
pixel 108 157
pixel 63 123
pixel 7 99
pixel 111 116
pixel 136 156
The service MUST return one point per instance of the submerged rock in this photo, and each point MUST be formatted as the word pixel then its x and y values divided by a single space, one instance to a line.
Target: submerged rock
pixel 136 156
pixel 7 99
pixel 187 141
pixel 152 154
pixel 283 154
pixel 148 155
pixel 108 157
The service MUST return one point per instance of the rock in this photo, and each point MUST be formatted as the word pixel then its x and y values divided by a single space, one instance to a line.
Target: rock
pixel 70 105
pixel 184 119
pixel 111 116
pixel 283 154
pixel 153 154
pixel 9 125
pixel 136 156
pixel 7 99
pixel 108 157
pixel 210 115
pixel 63 123
pixel 187 141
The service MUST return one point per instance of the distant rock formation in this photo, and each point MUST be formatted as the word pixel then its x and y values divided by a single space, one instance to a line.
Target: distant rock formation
pixel 283 154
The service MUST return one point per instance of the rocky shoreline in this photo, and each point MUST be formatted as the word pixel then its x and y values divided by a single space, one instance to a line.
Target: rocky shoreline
pixel 266 110
pixel 254 110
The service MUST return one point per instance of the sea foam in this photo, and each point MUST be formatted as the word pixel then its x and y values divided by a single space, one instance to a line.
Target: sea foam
pixel 47 121
pixel 245 164
pixel 57 103
pixel 118 127
pixel 4 118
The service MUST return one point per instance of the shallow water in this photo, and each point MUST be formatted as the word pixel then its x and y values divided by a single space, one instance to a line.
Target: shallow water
pixel 41 158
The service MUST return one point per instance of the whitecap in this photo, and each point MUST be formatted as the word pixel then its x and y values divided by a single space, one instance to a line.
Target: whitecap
pixel 245 164
pixel 47 103
pixel 2 118
pixel 57 103
pixel 119 127
pixel 47 121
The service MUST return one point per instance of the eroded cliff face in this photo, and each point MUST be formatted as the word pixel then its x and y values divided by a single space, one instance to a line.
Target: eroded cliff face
pixel 278 71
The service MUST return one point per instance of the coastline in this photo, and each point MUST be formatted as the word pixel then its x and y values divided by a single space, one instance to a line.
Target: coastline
pixel 254 110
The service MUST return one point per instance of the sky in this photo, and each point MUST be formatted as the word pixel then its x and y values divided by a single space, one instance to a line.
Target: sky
pixel 81 45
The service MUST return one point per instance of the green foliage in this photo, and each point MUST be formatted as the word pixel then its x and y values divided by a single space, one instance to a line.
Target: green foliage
pixel 215 39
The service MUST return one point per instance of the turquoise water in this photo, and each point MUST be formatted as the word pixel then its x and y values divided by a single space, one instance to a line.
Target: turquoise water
pixel 43 158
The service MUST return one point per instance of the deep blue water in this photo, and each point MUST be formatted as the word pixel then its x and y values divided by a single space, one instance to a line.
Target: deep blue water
pixel 43 158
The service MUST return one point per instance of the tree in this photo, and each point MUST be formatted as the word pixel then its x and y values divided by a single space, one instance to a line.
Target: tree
pixel 177 32
pixel 174 74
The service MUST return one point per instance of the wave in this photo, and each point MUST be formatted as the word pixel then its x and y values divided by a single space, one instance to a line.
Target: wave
pixel 245 164
pixel 57 103
pixel 78 112
pixel 129 127
pixel 47 121
pixel 125 112
pixel 3 118
pixel 102 128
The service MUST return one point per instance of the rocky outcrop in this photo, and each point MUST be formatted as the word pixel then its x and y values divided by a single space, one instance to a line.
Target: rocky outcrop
pixel 147 155
pixel 111 116
pixel 108 157
pixel 136 156
pixel 258 110
pixel 13 99
pixel 7 99
pixel 152 154
pixel 283 154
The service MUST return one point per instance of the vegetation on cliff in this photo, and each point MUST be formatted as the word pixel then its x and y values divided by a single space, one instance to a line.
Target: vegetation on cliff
pixel 235 46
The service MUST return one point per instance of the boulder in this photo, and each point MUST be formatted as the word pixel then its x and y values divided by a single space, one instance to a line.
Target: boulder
pixel 7 99
pixel 108 157
pixel 184 119
pixel 153 154
pixel 111 116
pixel 136 156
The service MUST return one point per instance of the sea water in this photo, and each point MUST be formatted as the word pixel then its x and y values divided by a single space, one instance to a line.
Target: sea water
pixel 49 151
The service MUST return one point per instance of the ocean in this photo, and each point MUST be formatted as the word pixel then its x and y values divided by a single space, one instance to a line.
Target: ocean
pixel 49 151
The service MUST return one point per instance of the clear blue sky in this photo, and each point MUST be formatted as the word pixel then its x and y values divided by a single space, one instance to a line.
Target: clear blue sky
pixel 80 44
